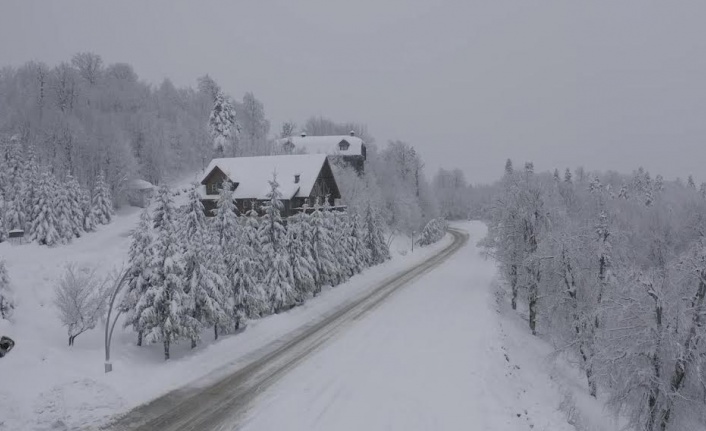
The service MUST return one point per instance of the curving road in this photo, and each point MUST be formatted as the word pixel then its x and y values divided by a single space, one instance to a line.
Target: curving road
pixel 221 404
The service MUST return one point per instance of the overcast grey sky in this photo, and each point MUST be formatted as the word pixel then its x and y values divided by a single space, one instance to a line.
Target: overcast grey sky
pixel 604 84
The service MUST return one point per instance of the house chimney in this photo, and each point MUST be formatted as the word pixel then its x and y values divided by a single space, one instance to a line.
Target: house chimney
pixel 303 134
pixel 296 179
pixel 352 132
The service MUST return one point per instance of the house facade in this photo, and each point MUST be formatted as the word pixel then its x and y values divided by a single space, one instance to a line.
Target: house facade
pixel 304 179
pixel 341 149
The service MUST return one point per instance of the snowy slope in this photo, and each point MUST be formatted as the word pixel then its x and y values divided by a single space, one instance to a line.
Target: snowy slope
pixel 438 355
pixel 47 385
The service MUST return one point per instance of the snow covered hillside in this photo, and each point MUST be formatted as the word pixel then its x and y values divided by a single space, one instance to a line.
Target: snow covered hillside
pixel 441 354
pixel 47 385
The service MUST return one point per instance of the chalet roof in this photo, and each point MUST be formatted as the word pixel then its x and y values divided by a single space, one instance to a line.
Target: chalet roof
pixel 326 144
pixel 252 174
pixel 138 184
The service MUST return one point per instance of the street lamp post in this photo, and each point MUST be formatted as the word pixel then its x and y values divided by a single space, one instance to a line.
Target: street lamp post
pixel 109 327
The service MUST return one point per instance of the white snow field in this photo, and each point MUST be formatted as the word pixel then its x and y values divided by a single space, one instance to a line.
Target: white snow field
pixel 440 354
pixel 47 385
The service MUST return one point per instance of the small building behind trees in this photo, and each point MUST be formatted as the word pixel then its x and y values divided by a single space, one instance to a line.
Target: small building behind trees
pixel 139 193
pixel 304 179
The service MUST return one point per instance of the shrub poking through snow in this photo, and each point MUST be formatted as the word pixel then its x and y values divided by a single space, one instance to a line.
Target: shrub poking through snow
pixel 433 231
pixel 81 299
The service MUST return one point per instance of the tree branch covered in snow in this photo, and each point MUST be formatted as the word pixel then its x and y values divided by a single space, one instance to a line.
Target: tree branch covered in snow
pixel 81 298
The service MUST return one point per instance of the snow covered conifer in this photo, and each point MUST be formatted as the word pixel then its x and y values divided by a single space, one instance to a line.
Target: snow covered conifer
pixel 323 250
pixel 44 224
pixel 140 258
pixel 75 206
pixel 278 279
pixel 360 253
pixel 102 201
pixel 165 315
pixel 221 123
pixel 206 289
pixel 338 228
pixel 690 182
pixel 251 300
pixel 14 216
pixel 225 233
pixel 7 304
pixel 89 217
pixel 302 261
pixel 62 210
pixel 374 237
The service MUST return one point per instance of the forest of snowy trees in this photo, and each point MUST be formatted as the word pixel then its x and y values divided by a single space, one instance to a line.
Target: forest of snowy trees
pixel 74 135
pixel 613 269
pixel 187 272
pixel 94 127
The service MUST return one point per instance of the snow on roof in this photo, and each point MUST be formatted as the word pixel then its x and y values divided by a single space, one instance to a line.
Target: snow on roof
pixel 254 173
pixel 326 144
pixel 138 184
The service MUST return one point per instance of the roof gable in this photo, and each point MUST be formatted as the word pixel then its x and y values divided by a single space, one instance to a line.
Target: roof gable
pixel 330 145
pixel 254 173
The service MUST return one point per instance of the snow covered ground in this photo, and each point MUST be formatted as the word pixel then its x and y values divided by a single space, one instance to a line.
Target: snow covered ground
pixel 47 385
pixel 441 354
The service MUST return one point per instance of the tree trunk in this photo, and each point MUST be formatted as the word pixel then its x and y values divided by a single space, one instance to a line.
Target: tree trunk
pixel 215 331
pixel 687 351
pixel 193 343
pixel 513 285
pixel 71 340
pixel 533 308
pixel 139 338
pixel 166 349
pixel 237 323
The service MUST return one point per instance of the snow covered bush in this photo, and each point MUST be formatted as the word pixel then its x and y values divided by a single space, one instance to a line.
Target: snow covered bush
pixel 433 231
pixel 7 304
pixel 81 298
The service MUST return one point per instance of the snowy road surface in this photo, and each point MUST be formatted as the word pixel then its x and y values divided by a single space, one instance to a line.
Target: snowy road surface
pixel 430 349
pixel 220 405
pixel 434 356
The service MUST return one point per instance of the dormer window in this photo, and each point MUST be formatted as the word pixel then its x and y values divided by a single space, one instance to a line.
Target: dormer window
pixel 343 145
pixel 296 179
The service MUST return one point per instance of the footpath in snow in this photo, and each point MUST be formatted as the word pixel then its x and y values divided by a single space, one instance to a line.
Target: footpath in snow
pixel 440 354
pixel 48 386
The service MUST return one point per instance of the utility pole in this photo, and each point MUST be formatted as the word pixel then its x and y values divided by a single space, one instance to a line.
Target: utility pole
pixel 119 282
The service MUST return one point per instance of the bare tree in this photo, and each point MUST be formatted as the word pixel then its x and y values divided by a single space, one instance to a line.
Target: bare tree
pixel 81 299
pixel 89 66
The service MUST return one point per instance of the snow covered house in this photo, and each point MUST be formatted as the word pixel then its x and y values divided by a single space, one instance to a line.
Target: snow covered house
pixel 344 149
pixel 302 178
pixel 139 193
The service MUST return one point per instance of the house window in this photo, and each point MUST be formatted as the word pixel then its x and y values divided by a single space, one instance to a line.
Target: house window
pixel 296 179
pixel 343 145
pixel 213 188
